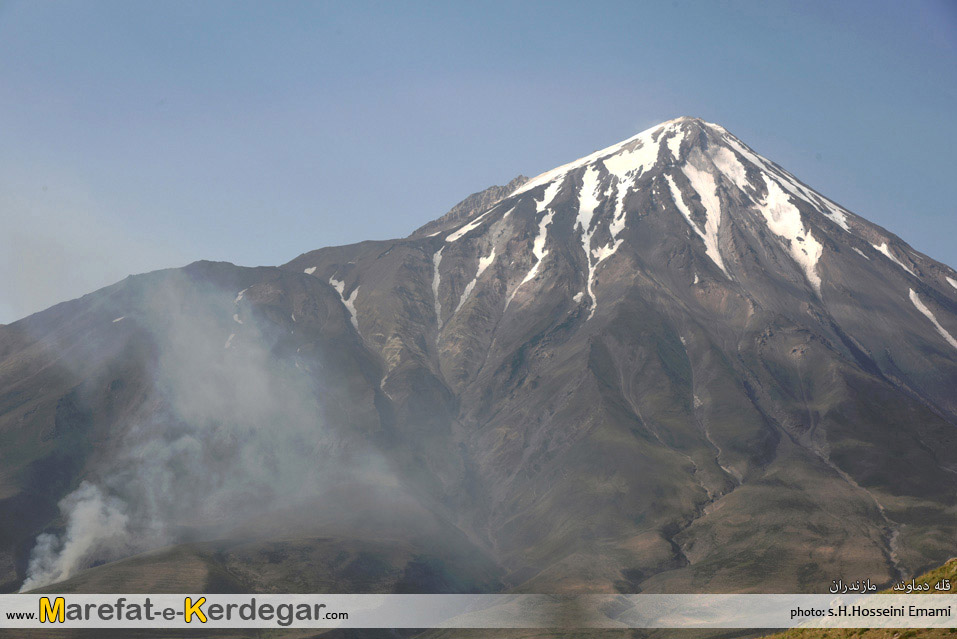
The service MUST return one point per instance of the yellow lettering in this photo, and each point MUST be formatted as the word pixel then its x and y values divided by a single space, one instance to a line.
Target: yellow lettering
pixel 195 609
pixel 52 613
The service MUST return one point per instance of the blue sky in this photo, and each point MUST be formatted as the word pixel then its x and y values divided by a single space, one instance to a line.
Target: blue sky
pixel 140 135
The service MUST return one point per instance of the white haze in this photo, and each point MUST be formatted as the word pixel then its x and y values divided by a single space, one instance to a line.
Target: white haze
pixel 225 437
pixel 56 245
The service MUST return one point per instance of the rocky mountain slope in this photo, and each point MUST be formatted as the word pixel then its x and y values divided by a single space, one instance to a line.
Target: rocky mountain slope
pixel 667 366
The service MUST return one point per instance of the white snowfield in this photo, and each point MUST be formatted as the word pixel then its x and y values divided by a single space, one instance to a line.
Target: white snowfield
pixel 587 203
pixel 436 262
pixel 674 143
pixel 704 185
pixel 915 298
pixel 951 281
pixel 483 264
pixel 711 248
pixel 119 319
pixel 784 220
pixel 883 248
pixel 645 137
pixel 632 162
pixel 827 208
pixel 728 165
pixel 780 213
pixel 793 213
pixel 549 196
pixel 349 302
pixel 468 227
pixel 310 270
pixel 628 160
pixel 538 246
pixel 538 250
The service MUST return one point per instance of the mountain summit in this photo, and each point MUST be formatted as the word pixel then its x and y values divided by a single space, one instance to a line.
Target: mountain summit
pixel 669 365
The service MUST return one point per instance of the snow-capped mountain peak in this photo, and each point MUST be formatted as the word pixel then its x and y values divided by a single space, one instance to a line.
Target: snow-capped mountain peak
pixel 695 172
pixel 628 373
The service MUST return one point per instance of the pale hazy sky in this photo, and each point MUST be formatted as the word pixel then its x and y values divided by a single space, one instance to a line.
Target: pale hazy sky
pixel 141 135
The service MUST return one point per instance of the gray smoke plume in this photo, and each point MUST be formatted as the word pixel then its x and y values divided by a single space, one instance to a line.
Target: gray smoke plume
pixel 228 433
pixel 97 527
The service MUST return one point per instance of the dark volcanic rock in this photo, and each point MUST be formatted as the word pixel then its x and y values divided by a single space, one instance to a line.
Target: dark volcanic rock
pixel 668 366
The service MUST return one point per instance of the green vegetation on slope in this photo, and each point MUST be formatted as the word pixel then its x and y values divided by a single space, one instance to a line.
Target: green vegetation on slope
pixel 947 571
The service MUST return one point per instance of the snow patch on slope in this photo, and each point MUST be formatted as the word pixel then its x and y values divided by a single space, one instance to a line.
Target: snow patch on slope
pixel 784 220
pixel 827 208
pixel 602 253
pixel 548 196
pixel 836 215
pixel 915 298
pixel 538 250
pixel 627 167
pixel 859 252
pixel 951 281
pixel 885 249
pixel 468 227
pixel 704 185
pixel 634 162
pixel 587 203
pixel 483 264
pixel 674 143
pixel 349 302
pixel 618 222
pixel 729 165
pixel 436 261
pixel 629 160
pixel 308 271
pixel 538 246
